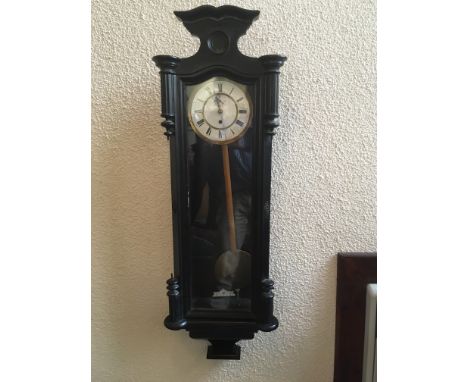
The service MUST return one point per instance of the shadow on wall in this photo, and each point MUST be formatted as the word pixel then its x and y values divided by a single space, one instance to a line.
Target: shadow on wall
pixel 305 330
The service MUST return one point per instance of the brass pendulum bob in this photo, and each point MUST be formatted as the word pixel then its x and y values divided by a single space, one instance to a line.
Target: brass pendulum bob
pixel 232 269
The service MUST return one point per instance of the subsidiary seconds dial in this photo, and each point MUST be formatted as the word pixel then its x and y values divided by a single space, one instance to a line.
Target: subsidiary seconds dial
pixel 219 110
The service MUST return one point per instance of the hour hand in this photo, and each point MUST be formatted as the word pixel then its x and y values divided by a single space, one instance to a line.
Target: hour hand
pixel 218 101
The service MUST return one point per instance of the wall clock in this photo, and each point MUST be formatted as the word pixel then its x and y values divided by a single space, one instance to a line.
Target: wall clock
pixel 220 111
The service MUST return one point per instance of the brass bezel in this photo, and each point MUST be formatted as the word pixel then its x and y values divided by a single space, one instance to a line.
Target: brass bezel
pixel 195 89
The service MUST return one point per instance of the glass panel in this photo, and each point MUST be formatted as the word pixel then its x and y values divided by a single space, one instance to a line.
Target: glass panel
pixel 221 258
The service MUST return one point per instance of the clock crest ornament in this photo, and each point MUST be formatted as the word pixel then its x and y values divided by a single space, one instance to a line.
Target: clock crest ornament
pixel 220 111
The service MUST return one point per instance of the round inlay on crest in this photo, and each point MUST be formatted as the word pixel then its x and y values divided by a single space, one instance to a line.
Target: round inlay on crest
pixel 218 42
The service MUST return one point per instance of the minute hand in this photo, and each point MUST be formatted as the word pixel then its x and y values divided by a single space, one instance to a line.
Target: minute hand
pixel 218 102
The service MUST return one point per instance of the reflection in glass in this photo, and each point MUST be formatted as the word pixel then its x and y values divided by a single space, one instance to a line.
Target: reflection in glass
pixel 220 281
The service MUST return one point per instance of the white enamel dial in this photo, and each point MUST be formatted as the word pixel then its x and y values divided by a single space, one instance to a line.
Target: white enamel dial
pixel 219 110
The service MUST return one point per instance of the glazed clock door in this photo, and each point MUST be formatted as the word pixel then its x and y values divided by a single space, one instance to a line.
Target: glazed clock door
pixel 219 142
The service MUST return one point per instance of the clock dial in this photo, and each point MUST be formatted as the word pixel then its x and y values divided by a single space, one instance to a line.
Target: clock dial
pixel 219 110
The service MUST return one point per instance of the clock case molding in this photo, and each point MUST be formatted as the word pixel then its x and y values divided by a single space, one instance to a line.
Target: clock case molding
pixel 219 30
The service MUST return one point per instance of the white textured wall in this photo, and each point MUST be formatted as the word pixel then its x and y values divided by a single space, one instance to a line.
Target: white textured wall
pixel 324 186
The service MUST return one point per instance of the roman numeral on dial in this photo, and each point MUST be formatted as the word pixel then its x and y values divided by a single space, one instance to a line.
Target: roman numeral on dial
pixel 220 134
pixel 208 132
pixel 220 88
pixel 242 111
pixel 200 122
pixel 240 123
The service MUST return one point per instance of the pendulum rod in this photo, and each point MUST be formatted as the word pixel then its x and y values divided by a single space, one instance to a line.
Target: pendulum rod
pixel 229 203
